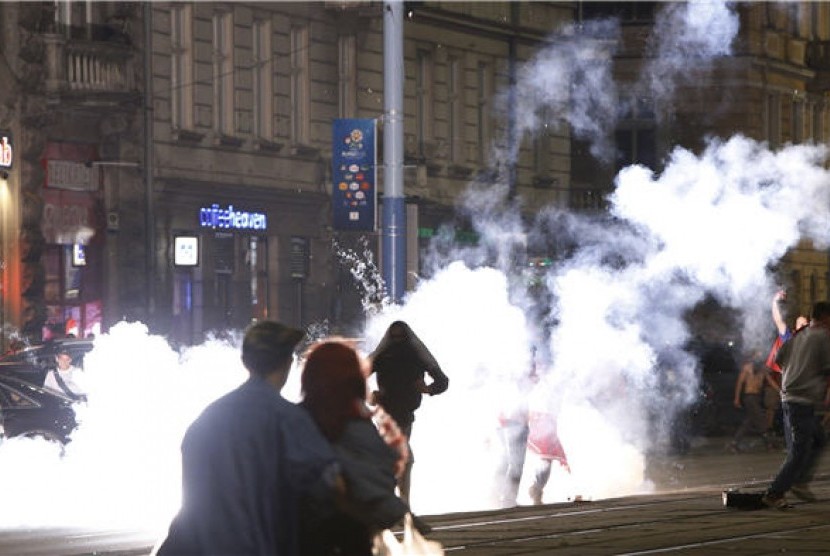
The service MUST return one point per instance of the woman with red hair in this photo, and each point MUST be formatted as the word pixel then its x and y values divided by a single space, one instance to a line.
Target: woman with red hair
pixel 334 393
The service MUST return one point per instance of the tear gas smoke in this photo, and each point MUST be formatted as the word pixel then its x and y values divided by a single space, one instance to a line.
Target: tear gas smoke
pixel 122 467
pixel 619 373
pixel 686 40
pixel 607 319
pixel 568 82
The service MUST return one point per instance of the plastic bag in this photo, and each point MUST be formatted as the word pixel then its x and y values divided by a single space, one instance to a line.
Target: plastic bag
pixel 413 544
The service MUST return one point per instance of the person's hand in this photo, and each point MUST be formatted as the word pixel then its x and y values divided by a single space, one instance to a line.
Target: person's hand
pixel 737 403
pixel 780 295
pixel 421 386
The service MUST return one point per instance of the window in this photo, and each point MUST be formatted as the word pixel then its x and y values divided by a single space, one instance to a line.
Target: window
pixel 798 121
pixel 809 121
pixel 813 288
pixel 818 123
pixel 223 73
pixel 263 80
pixel 256 259
pixel 181 71
pixel 423 92
pixel 541 144
pixel 74 18
pixel 773 120
pixel 635 136
pixel 626 12
pixel 455 102
pixel 484 79
pixel 347 77
pixel 300 101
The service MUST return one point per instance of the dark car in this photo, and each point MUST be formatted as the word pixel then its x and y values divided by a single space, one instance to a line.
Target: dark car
pixel 27 409
pixel 33 362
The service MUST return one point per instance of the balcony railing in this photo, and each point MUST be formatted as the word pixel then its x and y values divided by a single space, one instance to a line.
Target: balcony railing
pixel 88 66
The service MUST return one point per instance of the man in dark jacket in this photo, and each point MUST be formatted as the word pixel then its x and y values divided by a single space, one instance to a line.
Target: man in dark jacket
pixel 401 362
pixel 249 461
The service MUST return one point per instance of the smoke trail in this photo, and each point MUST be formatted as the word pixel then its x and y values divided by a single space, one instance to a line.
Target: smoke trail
pixel 686 39
pixel 568 81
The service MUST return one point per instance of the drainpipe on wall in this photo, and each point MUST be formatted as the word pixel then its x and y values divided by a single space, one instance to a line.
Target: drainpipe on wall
pixel 512 139
pixel 149 222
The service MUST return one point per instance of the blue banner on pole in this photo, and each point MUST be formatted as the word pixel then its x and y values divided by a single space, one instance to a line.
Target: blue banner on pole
pixel 354 173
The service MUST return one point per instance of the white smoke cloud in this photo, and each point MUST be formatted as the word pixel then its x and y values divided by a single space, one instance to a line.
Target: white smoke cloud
pixel 686 39
pixel 122 466
pixel 569 81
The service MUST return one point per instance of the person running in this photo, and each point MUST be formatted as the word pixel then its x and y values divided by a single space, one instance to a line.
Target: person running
pixel 401 361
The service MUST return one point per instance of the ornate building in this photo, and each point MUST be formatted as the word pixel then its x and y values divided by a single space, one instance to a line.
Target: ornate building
pixel 772 87
pixel 171 162
pixel 138 127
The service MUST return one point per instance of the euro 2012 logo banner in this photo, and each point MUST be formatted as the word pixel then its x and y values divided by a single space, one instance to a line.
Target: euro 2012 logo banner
pixel 353 172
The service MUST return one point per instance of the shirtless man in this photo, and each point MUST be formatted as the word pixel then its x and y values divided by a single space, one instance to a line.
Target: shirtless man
pixel 748 391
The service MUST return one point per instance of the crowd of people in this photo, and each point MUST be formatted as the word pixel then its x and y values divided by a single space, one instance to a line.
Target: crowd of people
pixel 262 475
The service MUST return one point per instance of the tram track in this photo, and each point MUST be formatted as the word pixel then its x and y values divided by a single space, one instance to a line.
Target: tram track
pixel 680 522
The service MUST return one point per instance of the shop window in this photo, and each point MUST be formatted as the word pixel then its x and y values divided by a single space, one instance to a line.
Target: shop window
pixel 256 259
pixel 66 310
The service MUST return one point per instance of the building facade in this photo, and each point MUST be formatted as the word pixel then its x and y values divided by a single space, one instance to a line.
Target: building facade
pixel 773 87
pixel 173 160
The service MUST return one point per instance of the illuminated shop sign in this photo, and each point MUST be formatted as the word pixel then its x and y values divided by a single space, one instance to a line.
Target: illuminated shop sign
pixel 78 254
pixel 186 251
pixel 6 151
pixel 231 219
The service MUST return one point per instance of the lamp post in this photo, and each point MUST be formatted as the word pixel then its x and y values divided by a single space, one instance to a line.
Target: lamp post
pixel 394 213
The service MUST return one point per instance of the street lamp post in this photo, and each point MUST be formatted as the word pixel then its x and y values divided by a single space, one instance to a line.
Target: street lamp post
pixel 394 213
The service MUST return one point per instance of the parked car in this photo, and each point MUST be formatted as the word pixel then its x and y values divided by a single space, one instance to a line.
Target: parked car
pixel 33 362
pixel 27 409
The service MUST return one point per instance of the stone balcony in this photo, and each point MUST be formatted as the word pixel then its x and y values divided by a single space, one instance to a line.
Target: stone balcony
pixel 88 68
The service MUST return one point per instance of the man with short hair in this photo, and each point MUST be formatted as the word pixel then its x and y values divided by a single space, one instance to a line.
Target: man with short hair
pixel 65 377
pixel 805 360
pixel 250 460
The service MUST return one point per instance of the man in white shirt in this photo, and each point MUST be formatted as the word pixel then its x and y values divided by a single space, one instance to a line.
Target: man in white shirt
pixel 64 378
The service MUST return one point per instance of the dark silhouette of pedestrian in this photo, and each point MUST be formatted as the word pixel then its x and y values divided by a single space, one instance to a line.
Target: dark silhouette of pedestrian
pixel 250 460
pixel 401 361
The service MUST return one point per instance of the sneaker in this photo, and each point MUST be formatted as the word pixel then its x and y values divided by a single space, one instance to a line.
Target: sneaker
pixel 776 501
pixel 802 492
pixel 535 495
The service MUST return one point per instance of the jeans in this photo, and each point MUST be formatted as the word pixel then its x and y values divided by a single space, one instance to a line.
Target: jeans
pixel 805 442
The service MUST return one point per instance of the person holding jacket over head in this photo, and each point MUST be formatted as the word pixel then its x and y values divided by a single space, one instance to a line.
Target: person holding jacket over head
pixel 401 361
